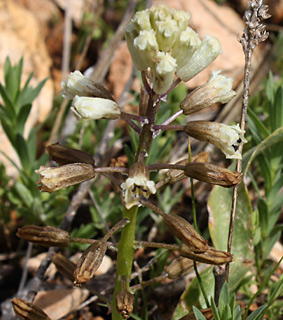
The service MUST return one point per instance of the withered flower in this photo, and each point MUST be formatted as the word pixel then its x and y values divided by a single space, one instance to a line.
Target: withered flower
pixel 45 236
pixel 137 185
pixel 210 256
pixel 64 155
pixel 178 175
pixel 53 179
pixel 226 138
pixel 125 303
pixel 89 262
pixel 184 231
pixel 179 267
pixel 212 174
pixel 28 311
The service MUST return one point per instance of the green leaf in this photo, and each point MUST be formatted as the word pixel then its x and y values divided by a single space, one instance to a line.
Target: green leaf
pixel 219 207
pixel 263 217
pixel 8 102
pixel 258 127
pixel 22 117
pixel 22 151
pixel 13 78
pixel 276 110
pixel 224 294
pixel 275 137
pixel 198 314
pixel 192 296
pixel 258 313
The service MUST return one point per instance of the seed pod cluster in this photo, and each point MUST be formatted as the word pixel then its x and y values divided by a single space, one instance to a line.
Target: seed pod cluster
pixel 125 303
pixel 28 311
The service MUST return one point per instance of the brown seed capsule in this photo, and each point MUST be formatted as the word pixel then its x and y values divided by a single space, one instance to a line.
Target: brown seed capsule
pixel 89 262
pixel 184 231
pixel 64 266
pixel 206 312
pixel 178 175
pixel 45 236
pixel 210 256
pixel 212 174
pixel 53 179
pixel 28 311
pixel 179 267
pixel 64 155
pixel 125 303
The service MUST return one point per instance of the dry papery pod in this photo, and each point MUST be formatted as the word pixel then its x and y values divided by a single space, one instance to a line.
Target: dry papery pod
pixel 89 262
pixel 53 179
pixel 178 175
pixel 179 267
pixel 206 312
pixel 212 174
pixel 210 256
pixel 28 311
pixel 184 231
pixel 64 266
pixel 45 236
pixel 125 303
pixel 64 155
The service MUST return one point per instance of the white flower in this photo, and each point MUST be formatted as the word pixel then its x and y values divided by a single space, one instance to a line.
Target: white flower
pixel 95 108
pixel 205 53
pixel 226 138
pixel 137 185
pixel 217 89
pixel 79 85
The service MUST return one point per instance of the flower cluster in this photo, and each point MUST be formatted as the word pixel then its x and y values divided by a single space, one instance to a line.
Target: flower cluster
pixel 160 39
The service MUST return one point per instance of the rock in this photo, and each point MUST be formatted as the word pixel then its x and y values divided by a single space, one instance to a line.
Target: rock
pixel 21 36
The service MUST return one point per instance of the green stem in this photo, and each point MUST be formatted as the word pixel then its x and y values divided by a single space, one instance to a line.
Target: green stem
pixel 125 256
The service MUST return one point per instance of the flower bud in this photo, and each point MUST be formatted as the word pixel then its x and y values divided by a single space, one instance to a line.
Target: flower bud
pixel 89 262
pixel 184 231
pixel 217 89
pixel 53 179
pixel 208 314
pixel 163 72
pixel 79 85
pixel 64 266
pixel 45 236
pixel 28 311
pixel 64 155
pixel 137 185
pixel 226 138
pixel 95 108
pixel 178 175
pixel 179 267
pixel 125 303
pixel 210 256
pixel 212 174
pixel 205 53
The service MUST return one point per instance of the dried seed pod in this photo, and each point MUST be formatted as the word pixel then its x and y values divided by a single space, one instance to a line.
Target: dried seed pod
pixel 178 175
pixel 184 231
pixel 64 155
pixel 125 303
pixel 64 266
pixel 53 179
pixel 206 312
pixel 28 311
pixel 179 267
pixel 212 174
pixel 89 262
pixel 45 236
pixel 210 256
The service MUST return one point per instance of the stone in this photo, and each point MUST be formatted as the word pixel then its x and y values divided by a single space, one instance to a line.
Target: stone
pixel 21 36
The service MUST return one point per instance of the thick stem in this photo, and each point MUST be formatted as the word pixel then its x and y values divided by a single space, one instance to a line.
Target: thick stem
pixel 125 256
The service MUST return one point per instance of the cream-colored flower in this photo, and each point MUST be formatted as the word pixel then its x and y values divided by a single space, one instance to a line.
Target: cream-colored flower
pixel 137 185
pixel 205 53
pixel 217 89
pixel 79 85
pixel 226 138
pixel 95 108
